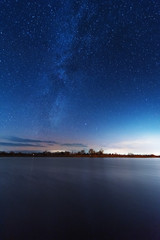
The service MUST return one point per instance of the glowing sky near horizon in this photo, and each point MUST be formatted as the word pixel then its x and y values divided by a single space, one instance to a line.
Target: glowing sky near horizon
pixel 79 74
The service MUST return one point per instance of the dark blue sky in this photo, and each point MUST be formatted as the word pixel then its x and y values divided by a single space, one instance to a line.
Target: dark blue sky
pixel 80 74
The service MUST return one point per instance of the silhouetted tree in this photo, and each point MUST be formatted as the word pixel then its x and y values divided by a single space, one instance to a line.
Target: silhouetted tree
pixel 100 152
pixel 82 152
pixel 91 151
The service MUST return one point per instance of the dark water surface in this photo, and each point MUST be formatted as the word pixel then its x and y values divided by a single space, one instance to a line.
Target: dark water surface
pixel 79 198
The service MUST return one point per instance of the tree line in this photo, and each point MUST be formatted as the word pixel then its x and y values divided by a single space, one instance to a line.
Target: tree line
pixel 82 153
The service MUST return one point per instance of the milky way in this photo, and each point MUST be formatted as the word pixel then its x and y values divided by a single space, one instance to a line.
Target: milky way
pixel 84 72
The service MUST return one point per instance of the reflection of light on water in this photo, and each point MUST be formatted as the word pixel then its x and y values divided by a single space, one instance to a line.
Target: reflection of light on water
pixel 118 192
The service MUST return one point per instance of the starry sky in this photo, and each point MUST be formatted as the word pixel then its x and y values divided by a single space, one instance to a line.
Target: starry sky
pixel 79 74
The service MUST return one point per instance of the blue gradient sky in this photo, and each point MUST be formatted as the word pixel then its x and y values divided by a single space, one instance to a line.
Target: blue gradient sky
pixel 80 74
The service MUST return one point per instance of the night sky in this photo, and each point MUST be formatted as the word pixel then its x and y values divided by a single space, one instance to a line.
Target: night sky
pixel 80 74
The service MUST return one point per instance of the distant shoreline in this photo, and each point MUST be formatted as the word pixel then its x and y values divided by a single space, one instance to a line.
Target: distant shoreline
pixel 78 155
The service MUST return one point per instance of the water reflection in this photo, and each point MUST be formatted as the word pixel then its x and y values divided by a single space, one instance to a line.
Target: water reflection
pixel 64 198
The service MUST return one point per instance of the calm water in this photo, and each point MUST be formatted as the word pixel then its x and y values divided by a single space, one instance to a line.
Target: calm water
pixel 73 198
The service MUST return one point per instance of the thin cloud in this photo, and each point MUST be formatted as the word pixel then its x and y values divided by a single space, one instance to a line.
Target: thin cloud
pixel 7 144
pixel 73 145
pixel 18 142
pixel 28 140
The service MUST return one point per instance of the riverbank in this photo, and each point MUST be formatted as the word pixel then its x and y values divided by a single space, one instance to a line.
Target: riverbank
pixel 70 154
